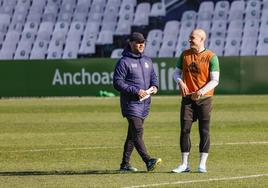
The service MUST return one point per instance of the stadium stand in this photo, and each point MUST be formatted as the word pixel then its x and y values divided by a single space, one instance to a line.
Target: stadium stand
pixel 56 29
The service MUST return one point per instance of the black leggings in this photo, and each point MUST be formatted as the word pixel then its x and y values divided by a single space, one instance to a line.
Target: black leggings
pixel 190 112
pixel 185 141
pixel 134 139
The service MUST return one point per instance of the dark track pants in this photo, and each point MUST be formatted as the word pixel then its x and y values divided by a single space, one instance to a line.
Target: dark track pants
pixel 191 111
pixel 134 139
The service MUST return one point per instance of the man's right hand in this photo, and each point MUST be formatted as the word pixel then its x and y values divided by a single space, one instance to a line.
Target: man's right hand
pixel 184 88
pixel 142 93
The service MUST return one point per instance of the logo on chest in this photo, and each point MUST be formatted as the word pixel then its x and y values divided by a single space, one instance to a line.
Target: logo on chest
pixel 194 68
pixel 134 65
pixel 146 65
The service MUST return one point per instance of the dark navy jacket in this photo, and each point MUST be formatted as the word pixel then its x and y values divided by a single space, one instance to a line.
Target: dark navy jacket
pixel 132 73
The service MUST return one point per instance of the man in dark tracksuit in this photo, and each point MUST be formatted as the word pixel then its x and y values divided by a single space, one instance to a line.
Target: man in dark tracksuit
pixel 135 79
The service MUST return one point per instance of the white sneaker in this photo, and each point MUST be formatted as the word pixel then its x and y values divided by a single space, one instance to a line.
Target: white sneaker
pixel 202 170
pixel 181 169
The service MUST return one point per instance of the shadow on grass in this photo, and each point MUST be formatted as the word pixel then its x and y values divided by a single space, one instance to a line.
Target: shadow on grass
pixel 62 173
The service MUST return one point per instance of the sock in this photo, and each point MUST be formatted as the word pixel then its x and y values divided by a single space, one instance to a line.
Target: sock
pixel 184 158
pixel 203 159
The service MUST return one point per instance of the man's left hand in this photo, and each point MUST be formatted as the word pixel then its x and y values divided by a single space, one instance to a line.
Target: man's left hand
pixel 154 90
pixel 196 95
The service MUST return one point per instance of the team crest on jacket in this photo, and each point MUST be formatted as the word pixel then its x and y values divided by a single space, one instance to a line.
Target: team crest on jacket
pixel 134 65
pixel 146 65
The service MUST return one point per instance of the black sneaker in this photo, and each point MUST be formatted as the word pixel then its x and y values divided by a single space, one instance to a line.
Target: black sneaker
pixel 128 168
pixel 153 163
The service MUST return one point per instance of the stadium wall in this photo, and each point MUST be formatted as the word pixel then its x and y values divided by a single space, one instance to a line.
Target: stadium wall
pixel 86 77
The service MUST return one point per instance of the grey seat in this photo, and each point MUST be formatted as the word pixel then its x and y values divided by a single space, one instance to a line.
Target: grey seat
pixel 171 30
pixel 167 49
pixel 39 49
pixel 141 17
pixel 9 45
pixel 253 10
pixel 217 45
pixel 232 47
pixel 237 10
pixel 55 49
pixel 117 53
pixel 189 15
pixel 45 31
pixel 262 48
pixel 88 44
pixel 221 10
pixel 246 49
pixel 158 9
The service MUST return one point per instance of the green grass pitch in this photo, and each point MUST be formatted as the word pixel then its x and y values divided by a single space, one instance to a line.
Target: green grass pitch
pixel 77 142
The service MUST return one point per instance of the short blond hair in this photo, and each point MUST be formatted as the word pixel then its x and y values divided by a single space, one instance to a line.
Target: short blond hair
pixel 200 32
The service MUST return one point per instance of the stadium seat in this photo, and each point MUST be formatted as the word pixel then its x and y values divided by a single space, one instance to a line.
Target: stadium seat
pixel 88 45
pixel 4 22
pixel 154 40
pixel 68 6
pixel 73 40
pixel 167 49
pixel 23 50
pixel 182 45
pixel 98 6
pixel 237 10
pixel 50 13
pixel 124 25
pixel 155 34
pixel 21 10
pixel 55 49
pixel 232 47
pixel 64 17
pixel 141 17
pixel 60 31
pixel 45 31
pixel 39 49
pixel 205 11
pixel 219 28
pixel 117 53
pixel 171 30
pixel 221 10
pixel 189 15
pixel 105 37
pixel 248 46
pixel 158 9
pixel 8 7
pixel 265 4
pixel 89 38
pixel 253 10
pixel 18 18
pixel 31 27
pixel 264 25
pixel 110 16
pixel 262 48
pixel 9 45
pixel 152 48
pixel 235 28
pixel 133 2
pixel 217 45
pixel 81 11
pixel 127 7
pixel 251 29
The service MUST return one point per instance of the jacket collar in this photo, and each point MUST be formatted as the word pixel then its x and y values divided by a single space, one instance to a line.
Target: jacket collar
pixel 127 53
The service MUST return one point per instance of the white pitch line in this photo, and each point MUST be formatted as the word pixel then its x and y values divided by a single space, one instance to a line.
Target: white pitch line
pixel 199 181
pixel 117 147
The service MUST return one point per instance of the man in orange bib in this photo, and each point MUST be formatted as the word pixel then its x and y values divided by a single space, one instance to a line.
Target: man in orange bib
pixel 197 74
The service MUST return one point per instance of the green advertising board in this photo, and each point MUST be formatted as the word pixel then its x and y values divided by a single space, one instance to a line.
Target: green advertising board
pixel 86 77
